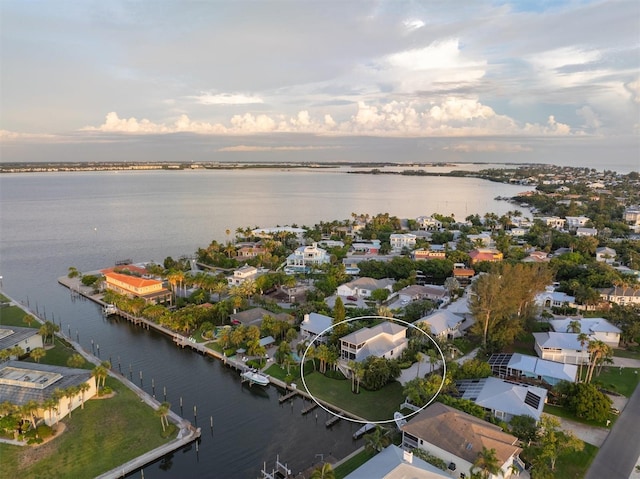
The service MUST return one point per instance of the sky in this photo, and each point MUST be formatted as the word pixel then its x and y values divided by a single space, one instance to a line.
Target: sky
pixel 404 81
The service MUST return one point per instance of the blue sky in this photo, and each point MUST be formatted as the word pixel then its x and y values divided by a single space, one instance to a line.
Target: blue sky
pixel 477 76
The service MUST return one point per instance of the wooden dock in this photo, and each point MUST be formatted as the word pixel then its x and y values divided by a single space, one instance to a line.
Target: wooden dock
pixel 286 397
pixel 333 420
pixel 309 408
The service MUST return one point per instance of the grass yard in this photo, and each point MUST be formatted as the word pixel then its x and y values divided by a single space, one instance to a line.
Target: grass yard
pixel 627 353
pixel 107 433
pixel 623 381
pixel 371 405
pixel 564 413
pixel 12 316
pixel 574 465
pixel 524 344
pixel 352 464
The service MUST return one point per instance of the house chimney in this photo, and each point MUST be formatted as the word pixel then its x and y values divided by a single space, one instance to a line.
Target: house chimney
pixel 407 456
pixel 306 318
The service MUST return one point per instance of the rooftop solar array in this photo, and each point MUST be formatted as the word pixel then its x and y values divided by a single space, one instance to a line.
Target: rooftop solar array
pixel 532 400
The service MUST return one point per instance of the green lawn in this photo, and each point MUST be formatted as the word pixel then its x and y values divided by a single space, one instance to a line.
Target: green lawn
pixel 107 433
pixel 627 353
pixel 524 344
pixel 352 464
pixel 564 413
pixel 12 316
pixel 371 405
pixel 574 465
pixel 623 381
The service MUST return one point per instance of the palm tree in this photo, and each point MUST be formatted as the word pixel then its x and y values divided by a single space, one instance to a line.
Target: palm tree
pixel 28 319
pixel 377 440
pixel 100 373
pixel 37 354
pixel 574 326
pixel 487 464
pixel 48 330
pixel 83 388
pixel 76 361
pixel 323 472
pixel 583 338
pixel 163 412
pixel 50 405
pixel 28 410
pixel 70 393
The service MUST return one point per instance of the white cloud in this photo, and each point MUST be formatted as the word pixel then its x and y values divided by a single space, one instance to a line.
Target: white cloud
pixel 247 148
pixel 452 117
pixel 489 148
pixel 226 99
pixel 590 117
pixel 413 24
pixel 634 89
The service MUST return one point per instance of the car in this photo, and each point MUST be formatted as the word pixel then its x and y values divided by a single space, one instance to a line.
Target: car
pixel 352 298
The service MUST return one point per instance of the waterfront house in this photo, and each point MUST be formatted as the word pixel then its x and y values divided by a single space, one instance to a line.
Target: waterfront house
pixel 402 240
pixel 560 347
pixel 598 329
pixel 315 324
pixel 605 255
pixel 621 295
pixel 26 338
pixel 504 399
pixel 386 340
pixel 428 223
pixel 395 463
pixel 522 367
pixel 304 258
pixel 23 382
pixel 297 233
pixel 363 287
pixel 443 324
pixel 457 438
pixel 485 254
pixel 242 274
pixel 151 290
pixel 249 251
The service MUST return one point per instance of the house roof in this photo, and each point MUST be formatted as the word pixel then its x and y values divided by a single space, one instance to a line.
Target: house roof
pixel 587 325
pixel 12 335
pixel 499 395
pixel 367 334
pixel 460 433
pixel 370 283
pixel 391 463
pixel 16 376
pixel 417 290
pixel 559 341
pixel 133 281
pixel 441 321
pixel 254 316
pixel 460 306
pixel 534 366
pixel 316 323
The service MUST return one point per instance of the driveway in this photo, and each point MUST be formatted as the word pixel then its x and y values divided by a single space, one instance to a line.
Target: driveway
pixel 590 434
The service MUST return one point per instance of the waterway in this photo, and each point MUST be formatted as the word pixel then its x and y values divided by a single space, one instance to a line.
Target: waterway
pixel 49 222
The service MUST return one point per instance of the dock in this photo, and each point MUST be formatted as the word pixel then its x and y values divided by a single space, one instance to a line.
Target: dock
pixel 309 408
pixel 334 419
pixel 286 397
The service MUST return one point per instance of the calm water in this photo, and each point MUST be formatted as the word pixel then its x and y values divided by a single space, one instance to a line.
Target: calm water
pixel 49 222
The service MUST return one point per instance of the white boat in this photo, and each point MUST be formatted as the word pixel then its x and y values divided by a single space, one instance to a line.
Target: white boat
pixel 108 309
pixel 255 377
pixel 399 418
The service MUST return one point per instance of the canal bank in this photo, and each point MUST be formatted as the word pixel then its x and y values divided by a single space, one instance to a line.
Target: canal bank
pixel 187 433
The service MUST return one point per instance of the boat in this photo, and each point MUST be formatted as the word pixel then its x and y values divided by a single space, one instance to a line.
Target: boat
pixel 255 377
pixel 108 309
pixel 399 418
pixel 363 430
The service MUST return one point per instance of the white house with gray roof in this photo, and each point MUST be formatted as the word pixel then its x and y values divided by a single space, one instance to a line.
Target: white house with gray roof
pixel 315 324
pixel 522 367
pixel 27 338
pixel 505 399
pixel 396 463
pixel 596 328
pixel 363 287
pixel 386 340
pixel 561 347
pixel 443 323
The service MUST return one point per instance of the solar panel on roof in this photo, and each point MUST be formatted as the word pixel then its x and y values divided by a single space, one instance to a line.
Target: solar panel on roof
pixel 532 400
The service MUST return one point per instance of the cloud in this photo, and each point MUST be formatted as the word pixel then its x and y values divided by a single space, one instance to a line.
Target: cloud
pixel 633 88
pixel 226 99
pixel 246 148
pixel 492 147
pixel 6 135
pixel 413 24
pixel 451 117
pixel 590 117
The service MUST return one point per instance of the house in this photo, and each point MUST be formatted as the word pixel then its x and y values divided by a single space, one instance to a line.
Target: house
pixel 605 255
pixel 363 287
pixel 402 240
pixel 151 290
pixel 457 437
pixel 537 257
pixel 485 254
pixel 23 382
pixel 248 252
pixel 350 264
pixel 504 399
pixel 462 273
pixel 242 274
pixel 483 240
pixel 586 232
pixel 428 223
pixel 297 233
pixel 632 218
pixel 552 221
pixel 26 338
pixel 621 295
pixel 367 248
pixel 315 324
pixel 596 328
pixel 427 254
pixel 561 347
pixel 574 222
pixel 417 292
pixel 555 299
pixel 386 340
pixel 517 231
pixel 304 257
pixel 444 324
pixel 522 367
pixel 395 463
pixel 254 317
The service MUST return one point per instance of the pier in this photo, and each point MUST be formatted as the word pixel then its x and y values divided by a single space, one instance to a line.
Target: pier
pixel 285 397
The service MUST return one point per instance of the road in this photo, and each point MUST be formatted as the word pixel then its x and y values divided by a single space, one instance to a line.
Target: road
pixel 620 451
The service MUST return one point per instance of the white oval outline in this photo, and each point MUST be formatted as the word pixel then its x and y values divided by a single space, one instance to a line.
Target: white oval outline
pixel 386 421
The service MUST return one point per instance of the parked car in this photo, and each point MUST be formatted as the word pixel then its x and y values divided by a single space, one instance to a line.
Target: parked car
pixel 352 298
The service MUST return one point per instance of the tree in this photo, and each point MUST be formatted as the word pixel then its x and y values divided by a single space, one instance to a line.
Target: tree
pixel 524 427
pixel 282 352
pixel 325 471
pixel 380 295
pixel 340 328
pixel 100 373
pixel 28 319
pixel 48 330
pixel 377 440
pixel 552 442
pixel 37 354
pixel 487 464
pixel 163 412
pixel 76 361
pixel 83 388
